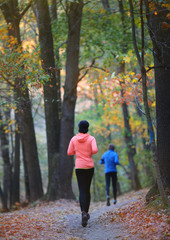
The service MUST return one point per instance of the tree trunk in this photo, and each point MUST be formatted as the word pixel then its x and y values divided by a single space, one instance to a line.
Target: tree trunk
pixel 3 200
pixel 13 17
pixel 52 99
pixel 26 179
pixel 16 170
pixel 158 25
pixel 70 95
pixel 7 168
pixel 30 146
pixel 54 9
pixel 131 149
pixel 145 97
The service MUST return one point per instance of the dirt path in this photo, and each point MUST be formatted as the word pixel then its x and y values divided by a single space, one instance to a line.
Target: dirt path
pixel 61 220
pixel 98 227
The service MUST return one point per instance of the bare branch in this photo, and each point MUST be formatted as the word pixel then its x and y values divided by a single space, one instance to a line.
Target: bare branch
pixel 137 103
pixel 65 8
pixel 125 170
pixel 104 70
pixel 6 79
pixel 89 67
pixel 26 9
pixel 61 45
pixel 150 68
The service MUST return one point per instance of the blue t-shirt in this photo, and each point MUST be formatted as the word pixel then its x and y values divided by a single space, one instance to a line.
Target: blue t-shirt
pixel 110 159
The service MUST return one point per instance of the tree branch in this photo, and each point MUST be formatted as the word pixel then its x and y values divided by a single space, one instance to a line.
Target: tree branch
pixel 150 68
pixel 2 75
pixel 91 65
pixel 65 8
pixel 26 9
pixel 61 45
pixel 104 70
pixel 137 103
pixel 134 33
pixel 126 172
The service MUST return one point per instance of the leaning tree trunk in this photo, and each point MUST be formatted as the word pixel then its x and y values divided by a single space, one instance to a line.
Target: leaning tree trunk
pixel 70 95
pixel 51 93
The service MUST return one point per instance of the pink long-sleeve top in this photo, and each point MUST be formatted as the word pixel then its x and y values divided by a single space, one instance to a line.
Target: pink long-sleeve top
pixel 83 146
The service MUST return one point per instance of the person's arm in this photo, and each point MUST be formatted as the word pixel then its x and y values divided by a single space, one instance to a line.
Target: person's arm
pixel 70 150
pixel 102 161
pixel 116 159
pixel 94 146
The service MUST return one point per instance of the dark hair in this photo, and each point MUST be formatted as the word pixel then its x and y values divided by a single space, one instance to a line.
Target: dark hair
pixel 83 126
pixel 111 146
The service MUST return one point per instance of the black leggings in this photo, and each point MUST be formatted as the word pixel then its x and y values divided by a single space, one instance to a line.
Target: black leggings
pixel 84 178
pixel 113 176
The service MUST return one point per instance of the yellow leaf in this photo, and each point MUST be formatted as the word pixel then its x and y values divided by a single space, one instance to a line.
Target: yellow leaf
pixel 127 59
pixel 10 122
pixel 135 80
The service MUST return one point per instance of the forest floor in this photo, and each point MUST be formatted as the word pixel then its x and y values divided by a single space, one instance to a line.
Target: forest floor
pixel 61 220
